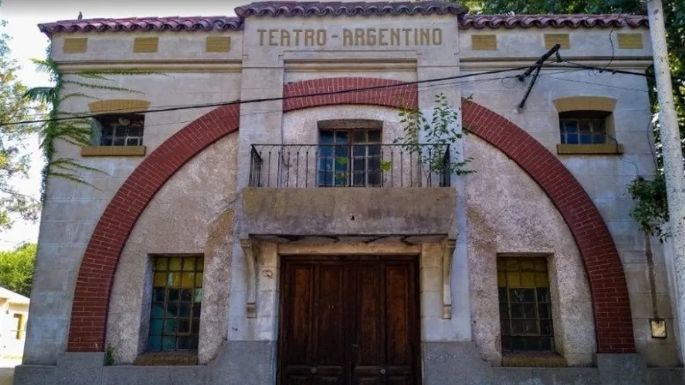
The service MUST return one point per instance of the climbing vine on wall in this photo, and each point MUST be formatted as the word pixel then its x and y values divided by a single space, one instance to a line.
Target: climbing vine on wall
pixel 67 126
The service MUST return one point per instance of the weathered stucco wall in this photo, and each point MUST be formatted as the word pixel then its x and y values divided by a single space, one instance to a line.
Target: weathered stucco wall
pixel 509 214
pixel 71 210
pixel 604 177
pixel 185 217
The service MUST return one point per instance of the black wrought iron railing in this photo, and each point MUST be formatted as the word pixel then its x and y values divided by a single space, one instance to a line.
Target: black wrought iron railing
pixel 349 165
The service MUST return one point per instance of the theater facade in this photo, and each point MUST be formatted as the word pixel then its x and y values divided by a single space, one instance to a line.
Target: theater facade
pixel 257 216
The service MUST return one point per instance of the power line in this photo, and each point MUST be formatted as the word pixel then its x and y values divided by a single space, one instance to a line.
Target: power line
pixel 362 89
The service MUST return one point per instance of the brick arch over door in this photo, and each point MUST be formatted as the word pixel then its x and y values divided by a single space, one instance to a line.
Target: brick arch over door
pixel 96 274
pixel 610 301
pixel 611 305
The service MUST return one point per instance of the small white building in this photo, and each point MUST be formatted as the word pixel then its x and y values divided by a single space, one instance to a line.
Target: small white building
pixel 14 311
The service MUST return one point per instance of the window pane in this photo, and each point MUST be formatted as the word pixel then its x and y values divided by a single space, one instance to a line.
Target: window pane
pixel 155 344
pixel 326 137
pixel 525 311
pixel 374 136
pixel 175 303
pixel 346 162
pixel 340 137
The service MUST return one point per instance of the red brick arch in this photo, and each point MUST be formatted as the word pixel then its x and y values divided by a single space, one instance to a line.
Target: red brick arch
pixel 611 304
pixel 613 324
pixel 96 275
pixel 610 301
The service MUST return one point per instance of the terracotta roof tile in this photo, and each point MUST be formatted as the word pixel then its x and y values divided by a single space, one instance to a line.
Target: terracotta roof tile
pixel 553 21
pixel 316 8
pixel 157 24
pixel 360 8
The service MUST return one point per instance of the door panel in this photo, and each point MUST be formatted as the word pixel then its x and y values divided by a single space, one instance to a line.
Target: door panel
pixel 349 321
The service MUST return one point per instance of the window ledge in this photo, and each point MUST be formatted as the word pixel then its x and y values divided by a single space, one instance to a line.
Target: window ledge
pixel 113 151
pixel 167 359
pixel 590 149
pixel 532 359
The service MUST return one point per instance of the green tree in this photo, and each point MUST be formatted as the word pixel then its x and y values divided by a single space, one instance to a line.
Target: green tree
pixel 13 164
pixel 16 268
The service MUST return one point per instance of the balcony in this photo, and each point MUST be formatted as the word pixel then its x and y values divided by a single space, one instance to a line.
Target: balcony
pixel 349 190
pixel 349 165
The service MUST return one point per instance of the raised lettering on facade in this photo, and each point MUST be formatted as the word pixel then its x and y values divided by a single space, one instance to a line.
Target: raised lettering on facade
pixel 351 37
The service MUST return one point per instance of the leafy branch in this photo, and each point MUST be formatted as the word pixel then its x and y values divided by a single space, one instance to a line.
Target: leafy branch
pixel 432 139
pixel 651 209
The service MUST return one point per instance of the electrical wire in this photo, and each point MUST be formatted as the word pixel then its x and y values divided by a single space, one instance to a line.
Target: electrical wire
pixel 362 89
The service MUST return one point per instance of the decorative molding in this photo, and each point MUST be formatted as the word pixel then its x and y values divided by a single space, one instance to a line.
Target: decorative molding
pixel 145 44
pixel 251 276
pixel 563 39
pixel 585 103
pixel 113 151
pixel 484 42
pixel 448 251
pixel 147 66
pixel 218 44
pixel 75 45
pixel 118 106
pixel 630 41
pixel 590 149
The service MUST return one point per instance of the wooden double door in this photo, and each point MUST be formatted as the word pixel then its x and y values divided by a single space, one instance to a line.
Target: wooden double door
pixel 349 320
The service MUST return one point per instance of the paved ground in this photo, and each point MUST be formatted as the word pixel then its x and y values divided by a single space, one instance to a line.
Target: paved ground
pixel 6 375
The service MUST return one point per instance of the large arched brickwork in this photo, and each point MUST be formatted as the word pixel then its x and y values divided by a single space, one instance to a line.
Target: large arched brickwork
pixel 611 304
pixel 96 275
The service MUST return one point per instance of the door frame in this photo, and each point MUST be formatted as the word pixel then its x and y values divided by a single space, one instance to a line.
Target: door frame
pixel 416 259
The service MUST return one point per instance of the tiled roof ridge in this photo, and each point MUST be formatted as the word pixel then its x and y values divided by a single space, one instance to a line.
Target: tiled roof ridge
pixel 357 8
pixel 317 8
pixel 157 24
pixel 508 21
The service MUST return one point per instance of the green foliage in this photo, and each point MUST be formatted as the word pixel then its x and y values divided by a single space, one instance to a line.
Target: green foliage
pixel 651 209
pixel 109 356
pixel 74 131
pixel 13 164
pixel 429 139
pixel 66 126
pixel 16 268
pixel 561 6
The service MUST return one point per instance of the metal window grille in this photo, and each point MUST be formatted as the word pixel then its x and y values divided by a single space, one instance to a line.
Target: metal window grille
pixel 349 158
pixel 525 304
pixel 119 130
pixel 583 127
pixel 176 303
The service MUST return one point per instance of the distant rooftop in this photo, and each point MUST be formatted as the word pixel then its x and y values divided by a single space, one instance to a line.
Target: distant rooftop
pixel 320 8
pixel 13 297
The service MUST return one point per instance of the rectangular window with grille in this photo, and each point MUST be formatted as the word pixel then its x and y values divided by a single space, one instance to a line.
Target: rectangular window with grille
pixel 176 303
pixel 118 130
pixel 583 127
pixel 525 305
pixel 349 158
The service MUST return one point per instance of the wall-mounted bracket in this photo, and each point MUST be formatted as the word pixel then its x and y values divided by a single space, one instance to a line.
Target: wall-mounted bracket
pixel 251 276
pixel 447 252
